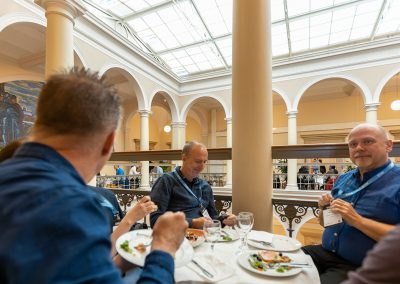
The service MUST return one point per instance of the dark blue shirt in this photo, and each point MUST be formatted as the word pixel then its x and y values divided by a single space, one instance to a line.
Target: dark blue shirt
pixel 53 229
pixel 379 201
pixel 170 195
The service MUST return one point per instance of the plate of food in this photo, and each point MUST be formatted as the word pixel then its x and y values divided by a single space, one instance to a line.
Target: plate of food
pixel 228 235
pixel 195 237
pixel 272 263
pixel 135 245
pixel 275 243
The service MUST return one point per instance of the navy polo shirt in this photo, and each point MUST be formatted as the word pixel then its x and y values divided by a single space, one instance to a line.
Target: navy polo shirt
pixel 379 201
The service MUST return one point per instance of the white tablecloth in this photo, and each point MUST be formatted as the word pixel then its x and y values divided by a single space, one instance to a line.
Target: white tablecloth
pixel 226 252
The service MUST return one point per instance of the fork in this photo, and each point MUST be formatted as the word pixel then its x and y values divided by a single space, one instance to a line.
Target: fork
pixel 264 243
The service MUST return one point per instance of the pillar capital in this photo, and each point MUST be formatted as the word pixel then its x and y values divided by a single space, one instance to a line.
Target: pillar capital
pixel 292 114
pixel 144 112
pixel 178 124
pixel 70 9
pixel 372 106
pixel 228 119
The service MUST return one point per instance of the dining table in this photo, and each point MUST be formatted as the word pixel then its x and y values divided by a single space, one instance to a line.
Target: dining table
pixel 224 265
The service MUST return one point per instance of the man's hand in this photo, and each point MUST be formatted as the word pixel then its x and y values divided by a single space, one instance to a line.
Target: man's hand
pixel 347 211
pixel 198 223
pixel 325 200
pixel 230 220
pixel 141 209
pixel 169 232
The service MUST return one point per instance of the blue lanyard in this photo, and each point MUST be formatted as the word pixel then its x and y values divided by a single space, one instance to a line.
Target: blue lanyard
pixel 342 195
pixel 178 177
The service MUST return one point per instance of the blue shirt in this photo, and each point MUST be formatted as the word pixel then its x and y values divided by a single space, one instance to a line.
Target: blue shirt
pixel 119 172
pixel 379 201
pixel 170 195
pixel 53 229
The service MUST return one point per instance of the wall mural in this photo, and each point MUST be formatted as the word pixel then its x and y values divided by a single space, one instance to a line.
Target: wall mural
pixel 17 109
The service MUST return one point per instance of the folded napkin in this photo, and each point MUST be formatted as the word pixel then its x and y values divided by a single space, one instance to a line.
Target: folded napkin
pixel 219 269
pixel 260 236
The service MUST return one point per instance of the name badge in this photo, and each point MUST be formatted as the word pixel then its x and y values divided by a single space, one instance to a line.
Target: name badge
pixel 331 218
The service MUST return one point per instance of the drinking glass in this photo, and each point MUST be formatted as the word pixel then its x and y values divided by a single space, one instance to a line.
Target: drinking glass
pixel 244 224
pixel 212 232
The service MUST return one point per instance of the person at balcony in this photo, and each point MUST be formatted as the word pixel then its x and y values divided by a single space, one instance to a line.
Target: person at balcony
pixel 62 232
pixel 381 265
pixel 157 170
pixel 119 171
pixel 364 205
pixel 183 190
pixel 134 170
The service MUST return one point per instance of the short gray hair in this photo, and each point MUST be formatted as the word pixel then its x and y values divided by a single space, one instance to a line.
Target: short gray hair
pixel 382 130
pixel 189 146
pixel 78 102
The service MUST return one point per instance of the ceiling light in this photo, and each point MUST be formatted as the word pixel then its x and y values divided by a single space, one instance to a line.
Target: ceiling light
pixel 167 128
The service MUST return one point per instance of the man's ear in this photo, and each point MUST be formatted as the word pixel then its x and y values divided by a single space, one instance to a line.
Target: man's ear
pixel 108 144
pixel 389 146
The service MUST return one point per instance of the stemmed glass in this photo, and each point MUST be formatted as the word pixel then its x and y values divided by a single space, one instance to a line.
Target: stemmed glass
pixel 212 232
pixel 244 224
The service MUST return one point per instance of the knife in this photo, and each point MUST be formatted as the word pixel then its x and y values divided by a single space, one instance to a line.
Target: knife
pixel 203 269
pixel 293 264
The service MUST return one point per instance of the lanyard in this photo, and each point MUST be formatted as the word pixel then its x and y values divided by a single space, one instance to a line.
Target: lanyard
pixel 341 193
pixel 178 177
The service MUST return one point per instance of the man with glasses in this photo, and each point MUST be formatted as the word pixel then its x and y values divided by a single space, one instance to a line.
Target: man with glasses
pixel 363 207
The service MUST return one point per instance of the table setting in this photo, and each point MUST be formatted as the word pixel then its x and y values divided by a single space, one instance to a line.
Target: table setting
pixel 229 255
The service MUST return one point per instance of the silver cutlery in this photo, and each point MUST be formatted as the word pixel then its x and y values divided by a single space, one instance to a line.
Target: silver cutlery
pixel 205 271
pixel 264 243
pixel 302 265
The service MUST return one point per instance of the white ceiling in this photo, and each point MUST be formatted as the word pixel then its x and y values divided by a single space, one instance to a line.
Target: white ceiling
pixel 194 37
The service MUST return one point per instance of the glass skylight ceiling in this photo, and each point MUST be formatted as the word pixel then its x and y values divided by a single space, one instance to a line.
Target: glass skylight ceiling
pixel 191 37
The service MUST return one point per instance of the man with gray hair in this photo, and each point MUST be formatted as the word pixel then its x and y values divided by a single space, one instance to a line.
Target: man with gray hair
pixel 53 229
pixel 183 190
pixel 363 207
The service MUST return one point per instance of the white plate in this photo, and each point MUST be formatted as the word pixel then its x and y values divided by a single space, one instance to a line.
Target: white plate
pixel 182 257
pixel 233 234
pixel 279 243
pixel 243 261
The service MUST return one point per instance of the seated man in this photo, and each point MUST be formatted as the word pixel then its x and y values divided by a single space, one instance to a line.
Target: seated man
pixel 183 190
pixel 48 215
pixel 367 200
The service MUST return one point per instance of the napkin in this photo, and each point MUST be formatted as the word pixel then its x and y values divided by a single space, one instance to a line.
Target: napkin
pixel 260 236
pixel 212 264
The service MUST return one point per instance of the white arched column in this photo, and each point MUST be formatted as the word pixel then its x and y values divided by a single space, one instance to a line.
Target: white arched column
pixel 60 16
pixel 252 111
pixel 371 112
pixel 144 146
pixel 228 145
pixel 292 140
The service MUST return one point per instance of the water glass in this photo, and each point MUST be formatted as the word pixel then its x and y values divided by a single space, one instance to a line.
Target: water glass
pixel 244 224
pixel 212 232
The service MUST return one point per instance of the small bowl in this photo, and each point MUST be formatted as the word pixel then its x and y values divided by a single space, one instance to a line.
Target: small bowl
pixel 195 237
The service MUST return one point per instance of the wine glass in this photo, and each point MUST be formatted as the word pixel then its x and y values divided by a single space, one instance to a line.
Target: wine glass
pixel 212 232
pixel 244 224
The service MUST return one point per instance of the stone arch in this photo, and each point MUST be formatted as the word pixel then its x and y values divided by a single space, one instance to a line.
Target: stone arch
pixel 131 78
pixel 172 103
pixel 193 100
pixel 365 92
pixel 20 17
pixel 383 82
pixel 285 98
